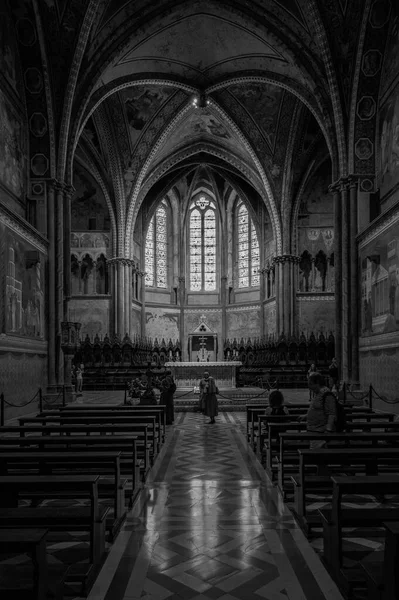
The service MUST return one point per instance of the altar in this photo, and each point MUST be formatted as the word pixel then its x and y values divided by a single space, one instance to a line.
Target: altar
pixel 188 374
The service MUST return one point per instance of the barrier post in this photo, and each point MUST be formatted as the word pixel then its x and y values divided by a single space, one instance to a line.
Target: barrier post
pixel 125 396
pixel 2 407
pixel 40 400
pixel 344 394
pixel 63 395
pixel 371 396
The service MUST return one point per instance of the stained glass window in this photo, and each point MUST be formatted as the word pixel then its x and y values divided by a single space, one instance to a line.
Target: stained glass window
pixel 247 250
pixel 202 226
pixel 156 250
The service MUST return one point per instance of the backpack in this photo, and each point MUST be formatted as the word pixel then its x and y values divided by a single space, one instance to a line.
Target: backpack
pixel 278 411
pixel 340 423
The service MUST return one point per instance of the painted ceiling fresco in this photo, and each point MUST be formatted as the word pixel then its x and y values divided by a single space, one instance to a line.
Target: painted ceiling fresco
pixel 262 102
pixel 141 103
pixel 201 125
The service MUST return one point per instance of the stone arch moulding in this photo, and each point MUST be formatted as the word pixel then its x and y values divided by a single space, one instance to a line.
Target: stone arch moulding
pixel 269 199
pixel 191 152
pixel 317 110
pixel 88 109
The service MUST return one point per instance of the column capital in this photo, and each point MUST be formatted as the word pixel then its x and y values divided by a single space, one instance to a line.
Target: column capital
pixel 122 261
pixel 339 185
pixel 286 258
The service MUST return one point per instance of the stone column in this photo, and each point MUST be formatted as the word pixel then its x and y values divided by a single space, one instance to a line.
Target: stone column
pixel 345 270
pixel 68 193
pixel 128 304
pixel 262 296
pixel 354 281
pixel 121 297
pixel 181 300
pixel 59 287
pixel 113 283
pixel 223 298
pixel 141 275
pixel 51 284
pixel 334 190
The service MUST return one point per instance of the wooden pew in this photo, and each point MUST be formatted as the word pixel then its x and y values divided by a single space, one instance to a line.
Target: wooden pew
pixel 126 444
pixel 351 417
pixel 29 541
pixel 279 454
pixel 138 408
pixel 364 461
pixel 338 518
pixel 382 579
pixel 143 426
pixel 91 519
pixel 105 464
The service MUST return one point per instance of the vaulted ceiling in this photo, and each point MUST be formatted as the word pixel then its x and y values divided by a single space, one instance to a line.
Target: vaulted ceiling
pixel 145 88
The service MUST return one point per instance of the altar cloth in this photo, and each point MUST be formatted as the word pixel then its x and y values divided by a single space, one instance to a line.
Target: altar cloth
pixel 188 374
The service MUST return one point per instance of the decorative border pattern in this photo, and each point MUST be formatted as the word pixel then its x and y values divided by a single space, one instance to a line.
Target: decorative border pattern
pixel 241 308
pixel 316 297
pixel 22 230
pixel 378 226
pixel 202 310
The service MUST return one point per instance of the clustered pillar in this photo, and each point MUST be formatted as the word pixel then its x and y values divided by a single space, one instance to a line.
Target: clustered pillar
pixel 286 266
pixel 346 277
pixel 121 278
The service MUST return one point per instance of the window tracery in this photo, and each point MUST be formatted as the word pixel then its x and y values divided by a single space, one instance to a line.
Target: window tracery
pixel 202 245
pixel 156 251
pixel 247 250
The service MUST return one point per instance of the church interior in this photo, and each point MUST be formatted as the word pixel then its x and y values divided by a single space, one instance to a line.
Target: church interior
pixel 192 186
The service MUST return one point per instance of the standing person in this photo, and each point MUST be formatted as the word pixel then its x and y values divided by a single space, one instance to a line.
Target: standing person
pixel 79 381
pixel 208 391
pixel 322 413
pixel 168 388
pixel 312 369
pixel 333 373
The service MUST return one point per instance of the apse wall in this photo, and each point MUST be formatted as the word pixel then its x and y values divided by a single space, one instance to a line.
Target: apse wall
pixel 23 251
pixel 378 245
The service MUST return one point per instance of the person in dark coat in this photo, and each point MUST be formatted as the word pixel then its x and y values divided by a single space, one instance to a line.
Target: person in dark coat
pixel 168 388
pixel 208 391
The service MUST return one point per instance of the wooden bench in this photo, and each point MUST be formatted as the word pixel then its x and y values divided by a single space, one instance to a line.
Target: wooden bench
pixel 143 427
pixel 137 408
pixel 32 542
pixel 105 464
pixel 336 519
pixel 382 579
pixel 364 461
pixel 280 454
pixel 80 443
pixel 91 519
pixel 146 442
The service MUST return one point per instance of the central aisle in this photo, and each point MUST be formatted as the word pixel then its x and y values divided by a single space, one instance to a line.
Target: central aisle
pixel 210 526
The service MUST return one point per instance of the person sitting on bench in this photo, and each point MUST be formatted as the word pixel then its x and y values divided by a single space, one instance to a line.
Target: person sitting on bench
pixel 276 404
pixel 322 412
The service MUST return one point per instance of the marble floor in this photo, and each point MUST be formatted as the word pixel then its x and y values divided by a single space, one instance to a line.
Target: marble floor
pixel 210 525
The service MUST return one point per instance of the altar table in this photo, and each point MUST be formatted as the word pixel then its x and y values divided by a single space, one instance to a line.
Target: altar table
pixel 188 374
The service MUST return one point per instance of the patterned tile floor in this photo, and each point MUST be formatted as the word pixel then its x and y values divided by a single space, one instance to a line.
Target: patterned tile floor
pixel 210 525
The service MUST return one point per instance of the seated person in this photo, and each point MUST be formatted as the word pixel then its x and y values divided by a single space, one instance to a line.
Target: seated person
pixel 276 404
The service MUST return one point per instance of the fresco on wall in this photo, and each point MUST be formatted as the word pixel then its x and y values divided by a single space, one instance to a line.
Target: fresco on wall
pixel 24 290
pixel 136 322
pixel 89 209
pixel 263 103
pixel 317 316
pixel 389 142
pixel 12 149
pixel 161 324
pixel 141 103
pixel 243 324
pixel 8 51
pixel 270 318
pixel 379 267
pixel 93 314
pixel 390 69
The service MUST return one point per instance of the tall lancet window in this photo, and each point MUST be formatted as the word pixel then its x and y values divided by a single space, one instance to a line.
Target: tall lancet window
pixel 202 236
pixel 248 250
pixel 156 251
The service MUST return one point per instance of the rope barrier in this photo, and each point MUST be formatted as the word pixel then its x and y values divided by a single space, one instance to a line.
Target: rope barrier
pixel 20 405
pixel 384 398
pixel 57 398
